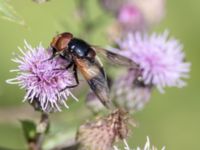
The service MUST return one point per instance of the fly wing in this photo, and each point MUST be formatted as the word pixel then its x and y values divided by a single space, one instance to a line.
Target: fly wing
pixel 96 78
pixel 115 58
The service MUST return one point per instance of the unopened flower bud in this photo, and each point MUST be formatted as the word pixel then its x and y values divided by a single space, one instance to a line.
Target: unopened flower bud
pixel 103 132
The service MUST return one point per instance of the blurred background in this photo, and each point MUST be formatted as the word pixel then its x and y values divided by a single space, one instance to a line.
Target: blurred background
pixel 170 119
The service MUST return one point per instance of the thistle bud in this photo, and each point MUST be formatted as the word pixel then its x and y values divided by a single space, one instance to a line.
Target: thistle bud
pixel 103 132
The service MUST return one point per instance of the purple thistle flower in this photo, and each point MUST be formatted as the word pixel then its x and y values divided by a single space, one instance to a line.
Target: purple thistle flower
pixel 161 60
pixel 42 79
pixel 129 93
pixel 93 103
pixel 130 18
pixel 127 13
pixel 152 10
pixel 111 5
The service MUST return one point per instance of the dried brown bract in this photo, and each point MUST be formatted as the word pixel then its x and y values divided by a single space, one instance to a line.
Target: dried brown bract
pixel 103 132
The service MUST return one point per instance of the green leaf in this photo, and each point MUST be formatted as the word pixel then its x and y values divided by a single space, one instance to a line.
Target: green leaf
pixel 29 129
pixel 8 12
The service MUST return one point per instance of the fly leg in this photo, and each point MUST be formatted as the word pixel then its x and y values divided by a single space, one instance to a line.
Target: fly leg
pixel 71 62
pixel 67 67
pixel 76 79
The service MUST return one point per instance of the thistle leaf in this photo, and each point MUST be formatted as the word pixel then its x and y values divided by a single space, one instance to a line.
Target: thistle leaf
pixel 29 129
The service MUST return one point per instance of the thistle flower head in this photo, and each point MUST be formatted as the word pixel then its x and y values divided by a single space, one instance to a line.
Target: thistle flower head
pixel 102 133
pixel 129 93
pixel 43 80
pixel 93 103
pixel 161 60
pixel 111 5
pixel 130 17
pixel 152 10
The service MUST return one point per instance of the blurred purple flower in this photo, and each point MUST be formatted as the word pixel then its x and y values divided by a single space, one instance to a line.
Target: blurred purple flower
pixel 161 60
pixel 42 79
pixel 129 93
pixel 152 10
pixel 133 15
pixel 111 5
pixel 93 103
pixel 130 17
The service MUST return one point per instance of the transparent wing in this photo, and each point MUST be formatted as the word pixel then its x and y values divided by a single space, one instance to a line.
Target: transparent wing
pixel 115 58
pixel 94 74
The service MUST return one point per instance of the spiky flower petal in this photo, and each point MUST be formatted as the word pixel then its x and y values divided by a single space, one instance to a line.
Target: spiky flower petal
pixel 147 146
pixel 43 80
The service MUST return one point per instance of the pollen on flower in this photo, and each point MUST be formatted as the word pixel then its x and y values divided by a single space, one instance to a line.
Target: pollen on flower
pixel 42 80
pixel 161 59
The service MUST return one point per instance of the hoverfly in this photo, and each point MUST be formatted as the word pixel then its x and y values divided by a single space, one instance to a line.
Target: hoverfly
pixel 82 56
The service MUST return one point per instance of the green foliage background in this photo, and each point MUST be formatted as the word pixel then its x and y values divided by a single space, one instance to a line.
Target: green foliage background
pixel 170 119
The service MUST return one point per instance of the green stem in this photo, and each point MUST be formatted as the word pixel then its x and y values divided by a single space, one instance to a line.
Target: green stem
pixel 42 128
